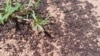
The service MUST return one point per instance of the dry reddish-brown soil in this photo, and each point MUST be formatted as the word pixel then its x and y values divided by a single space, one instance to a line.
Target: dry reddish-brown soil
pixel 73 30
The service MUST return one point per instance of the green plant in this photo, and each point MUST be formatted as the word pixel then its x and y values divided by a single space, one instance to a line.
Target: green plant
pixel 30 3
pixel 38 22
pixel 37 3
pixel 17 10
pixel 9 11
pixel 1 19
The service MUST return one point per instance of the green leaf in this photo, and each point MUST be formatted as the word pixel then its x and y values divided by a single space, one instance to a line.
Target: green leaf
pixel 30 3
pixel 43 22
pixel 1 19
pixel 6 16
pixel 40 27
pixel 8 5
pixel 20 17
pixel 9 9
pixel 34 15
pixel 37 3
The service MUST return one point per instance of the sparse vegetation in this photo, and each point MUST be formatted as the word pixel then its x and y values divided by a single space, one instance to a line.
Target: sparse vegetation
pixel 13 10
pixel 8 11
pixel 38 22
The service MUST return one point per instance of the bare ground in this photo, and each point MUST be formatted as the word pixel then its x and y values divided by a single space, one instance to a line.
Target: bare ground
pixel 73 30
